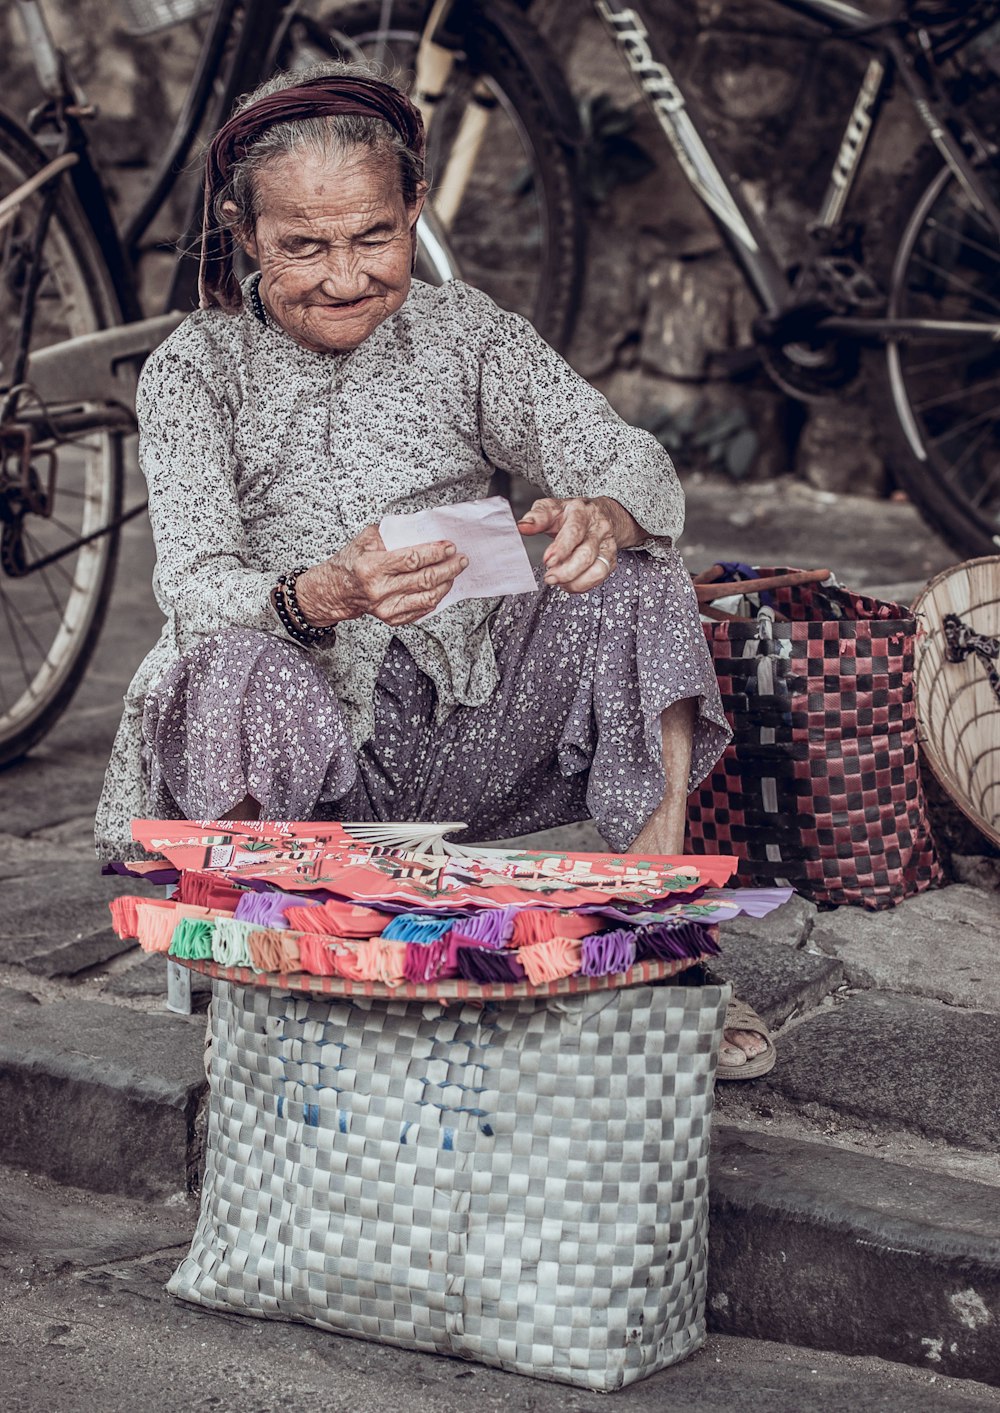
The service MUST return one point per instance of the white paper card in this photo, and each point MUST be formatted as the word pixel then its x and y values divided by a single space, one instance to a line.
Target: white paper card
pixel 484 531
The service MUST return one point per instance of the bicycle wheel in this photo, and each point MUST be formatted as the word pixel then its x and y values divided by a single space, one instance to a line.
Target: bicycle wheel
pixel 514 222
pixel 943 262
pixel 71 486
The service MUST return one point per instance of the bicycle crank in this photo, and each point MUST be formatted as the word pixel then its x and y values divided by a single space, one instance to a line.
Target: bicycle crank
pixel 800 355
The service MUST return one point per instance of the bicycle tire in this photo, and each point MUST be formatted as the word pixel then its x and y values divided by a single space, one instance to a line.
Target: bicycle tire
pixel 935 270
pixel 77 296
pixel 494 38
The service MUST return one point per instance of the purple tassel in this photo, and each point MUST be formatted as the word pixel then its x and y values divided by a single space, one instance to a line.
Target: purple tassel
pixel 492 927
pixel 486 964
pixel 608 953
pixel 268 909
pixel 669 941
pixel 425 961
pixel 456 943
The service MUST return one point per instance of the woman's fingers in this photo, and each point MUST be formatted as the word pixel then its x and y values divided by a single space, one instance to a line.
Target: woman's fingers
pixel 543 517
pixel 582 523
pixel 403 597
pixel 440 574
pixel 585 533
pixel 407 608
pixel 368 578
pixel 589 566
pixel 416 557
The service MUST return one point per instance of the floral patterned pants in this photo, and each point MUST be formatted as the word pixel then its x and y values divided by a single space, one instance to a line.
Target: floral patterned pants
pixel 571 732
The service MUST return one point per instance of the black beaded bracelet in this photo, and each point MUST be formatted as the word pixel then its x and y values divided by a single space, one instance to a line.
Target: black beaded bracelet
pixel 293 620
pixel 287 584
pixel 284 618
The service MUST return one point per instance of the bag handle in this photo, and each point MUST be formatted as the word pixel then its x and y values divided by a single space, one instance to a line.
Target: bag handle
pixel 707 586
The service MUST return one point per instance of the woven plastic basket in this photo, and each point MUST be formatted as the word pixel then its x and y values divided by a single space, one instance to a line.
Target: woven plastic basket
pixel 523 1184
pixel 820 787
pixel 150 16
pixel 957 706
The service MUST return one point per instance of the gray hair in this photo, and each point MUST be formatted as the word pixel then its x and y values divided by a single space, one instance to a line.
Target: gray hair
pixel 331 137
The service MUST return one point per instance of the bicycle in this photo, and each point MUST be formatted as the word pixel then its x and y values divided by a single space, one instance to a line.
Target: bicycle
pixel 72 332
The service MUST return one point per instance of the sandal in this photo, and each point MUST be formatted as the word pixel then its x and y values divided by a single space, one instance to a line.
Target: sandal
pixel 740 1016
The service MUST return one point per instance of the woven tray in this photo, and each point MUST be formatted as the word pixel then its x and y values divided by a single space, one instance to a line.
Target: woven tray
pixel 452 989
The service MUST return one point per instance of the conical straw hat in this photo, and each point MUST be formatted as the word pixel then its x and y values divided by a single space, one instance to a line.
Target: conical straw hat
pixel 957 707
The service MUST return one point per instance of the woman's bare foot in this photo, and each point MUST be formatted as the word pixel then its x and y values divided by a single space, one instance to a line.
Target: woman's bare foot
pixel 738 1046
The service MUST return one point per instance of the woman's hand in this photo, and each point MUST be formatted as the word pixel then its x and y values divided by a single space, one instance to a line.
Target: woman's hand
pixel 586 537
pixel 397 586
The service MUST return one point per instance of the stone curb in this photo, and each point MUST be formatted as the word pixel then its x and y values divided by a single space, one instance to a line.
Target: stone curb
pixel 99 1096
pixel 821 1247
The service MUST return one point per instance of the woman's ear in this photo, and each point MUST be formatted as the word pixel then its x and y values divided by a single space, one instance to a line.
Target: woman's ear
pixel 245 239
pixel 417 205
pixel 413 215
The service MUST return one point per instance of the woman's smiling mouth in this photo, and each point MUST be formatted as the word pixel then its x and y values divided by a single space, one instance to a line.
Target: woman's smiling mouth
pixel 343 306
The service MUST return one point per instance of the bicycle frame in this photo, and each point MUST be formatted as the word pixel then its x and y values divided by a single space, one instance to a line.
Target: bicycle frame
pixel 77 370
pixel 686 130
pixel 67 107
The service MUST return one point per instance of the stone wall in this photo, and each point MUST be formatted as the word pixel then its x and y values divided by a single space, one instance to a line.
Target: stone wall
pixel 662 294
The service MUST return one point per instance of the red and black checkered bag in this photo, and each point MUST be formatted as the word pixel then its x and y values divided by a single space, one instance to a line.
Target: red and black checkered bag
pixel 820 788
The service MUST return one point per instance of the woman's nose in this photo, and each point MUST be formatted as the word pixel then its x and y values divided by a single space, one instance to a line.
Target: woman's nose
pixel 343 276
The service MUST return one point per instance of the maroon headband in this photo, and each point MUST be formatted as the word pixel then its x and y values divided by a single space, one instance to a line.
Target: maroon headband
pixel 324 97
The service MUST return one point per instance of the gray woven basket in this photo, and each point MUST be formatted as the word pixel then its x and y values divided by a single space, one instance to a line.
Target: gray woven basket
pixel 522 1184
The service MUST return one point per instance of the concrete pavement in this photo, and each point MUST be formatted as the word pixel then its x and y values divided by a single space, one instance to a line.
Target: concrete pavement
pixel 855 1190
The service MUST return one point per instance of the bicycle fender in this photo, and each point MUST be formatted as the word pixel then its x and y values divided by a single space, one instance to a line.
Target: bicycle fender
pixel 89 194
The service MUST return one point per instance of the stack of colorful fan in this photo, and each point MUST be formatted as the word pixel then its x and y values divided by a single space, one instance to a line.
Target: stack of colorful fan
pixel 278 901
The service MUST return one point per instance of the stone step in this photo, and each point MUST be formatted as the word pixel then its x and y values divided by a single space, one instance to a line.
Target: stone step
pixel 55 921
pixel 88 1325
pixel 892 1063
pixel 941 945
pixel 822 1247
pixel 101 1096
pixel 776 980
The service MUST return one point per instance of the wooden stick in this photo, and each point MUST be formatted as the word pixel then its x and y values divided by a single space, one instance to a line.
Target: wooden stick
pixel 707 591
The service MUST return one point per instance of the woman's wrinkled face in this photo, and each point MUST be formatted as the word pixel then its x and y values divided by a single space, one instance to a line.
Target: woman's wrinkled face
pixel 334 241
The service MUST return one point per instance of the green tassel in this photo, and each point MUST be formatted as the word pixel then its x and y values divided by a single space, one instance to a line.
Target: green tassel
pixel 192 939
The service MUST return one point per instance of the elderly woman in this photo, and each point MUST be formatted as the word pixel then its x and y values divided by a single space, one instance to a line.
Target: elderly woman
pixel 296 676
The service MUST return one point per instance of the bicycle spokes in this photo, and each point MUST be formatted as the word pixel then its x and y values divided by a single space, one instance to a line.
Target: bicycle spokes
pixel 952 385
